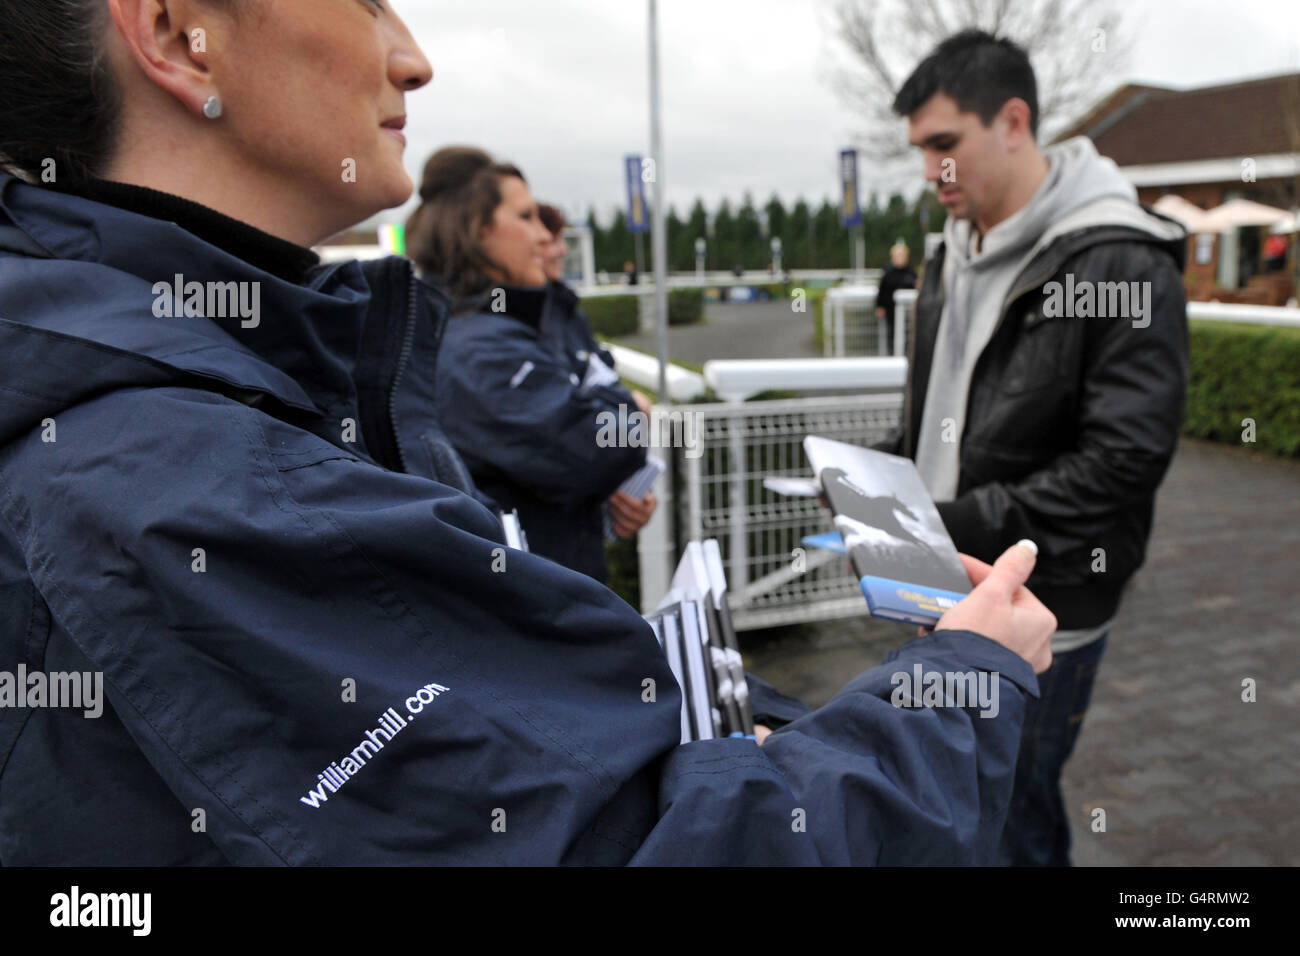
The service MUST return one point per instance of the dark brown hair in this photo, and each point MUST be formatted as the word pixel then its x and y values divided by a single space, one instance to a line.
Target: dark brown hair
pixel 58 98
pixel 460 191
pixel 551 218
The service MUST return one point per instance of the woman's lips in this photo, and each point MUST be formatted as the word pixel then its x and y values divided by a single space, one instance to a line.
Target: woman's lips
pixel 395 126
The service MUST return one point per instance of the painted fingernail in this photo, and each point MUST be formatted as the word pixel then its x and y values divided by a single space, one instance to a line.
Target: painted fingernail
pixel 1030 545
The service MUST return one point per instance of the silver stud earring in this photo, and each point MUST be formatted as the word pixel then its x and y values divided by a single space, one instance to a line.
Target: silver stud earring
pixel 212 108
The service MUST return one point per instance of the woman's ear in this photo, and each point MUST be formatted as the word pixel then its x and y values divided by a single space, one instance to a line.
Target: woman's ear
pixel 169 41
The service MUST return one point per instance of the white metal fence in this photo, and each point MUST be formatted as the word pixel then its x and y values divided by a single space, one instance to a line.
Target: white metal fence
pixel 851 327
pixel 773 579
pixel 719 483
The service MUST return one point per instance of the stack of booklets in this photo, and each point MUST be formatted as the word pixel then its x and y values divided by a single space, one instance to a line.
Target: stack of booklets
pixel 693 626
pixel 637 486
pixel 888 525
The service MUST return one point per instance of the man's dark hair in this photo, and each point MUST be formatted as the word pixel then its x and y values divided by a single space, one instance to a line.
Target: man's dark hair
pixel 978 70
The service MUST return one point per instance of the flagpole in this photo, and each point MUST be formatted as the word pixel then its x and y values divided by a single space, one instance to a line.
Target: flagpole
pixel 659 238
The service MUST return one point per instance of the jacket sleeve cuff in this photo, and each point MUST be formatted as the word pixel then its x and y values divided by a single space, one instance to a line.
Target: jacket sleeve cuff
pixel 962 520
pixel 969 648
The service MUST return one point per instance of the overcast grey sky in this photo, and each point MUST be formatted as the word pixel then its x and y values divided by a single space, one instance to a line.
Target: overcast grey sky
pixel 559 86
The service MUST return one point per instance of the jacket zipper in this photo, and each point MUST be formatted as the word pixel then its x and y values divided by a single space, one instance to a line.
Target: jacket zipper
pixel 403 357
pixel 910 445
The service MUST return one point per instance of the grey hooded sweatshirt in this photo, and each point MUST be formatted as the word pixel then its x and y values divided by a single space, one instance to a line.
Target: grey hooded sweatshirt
pixel 1081 189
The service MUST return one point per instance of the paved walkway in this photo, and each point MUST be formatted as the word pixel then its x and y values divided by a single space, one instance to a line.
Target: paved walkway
pixel 740 330
pixel 1186 771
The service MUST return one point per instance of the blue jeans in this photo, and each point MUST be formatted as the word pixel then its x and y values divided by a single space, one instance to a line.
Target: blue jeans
pixel 1037 831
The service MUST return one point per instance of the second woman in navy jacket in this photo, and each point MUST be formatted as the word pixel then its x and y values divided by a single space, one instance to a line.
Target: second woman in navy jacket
pixel 515 403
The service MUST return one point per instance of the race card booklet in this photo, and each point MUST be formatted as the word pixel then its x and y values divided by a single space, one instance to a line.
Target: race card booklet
pixel 905 562
pixel 693 626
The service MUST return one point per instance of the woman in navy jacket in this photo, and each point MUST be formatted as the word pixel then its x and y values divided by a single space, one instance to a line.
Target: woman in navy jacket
pixel 518 402
pixel 565 324
pixel 208 513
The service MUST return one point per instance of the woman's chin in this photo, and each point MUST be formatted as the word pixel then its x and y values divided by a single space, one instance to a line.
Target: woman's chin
pixel 398 189
pixel 382 196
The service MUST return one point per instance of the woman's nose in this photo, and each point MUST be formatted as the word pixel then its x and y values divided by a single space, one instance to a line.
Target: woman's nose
pixel 408 68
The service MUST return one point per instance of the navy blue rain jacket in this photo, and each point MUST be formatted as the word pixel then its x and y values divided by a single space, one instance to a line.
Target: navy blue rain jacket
pixel 311 657
pixel 564 323
pixel 510 396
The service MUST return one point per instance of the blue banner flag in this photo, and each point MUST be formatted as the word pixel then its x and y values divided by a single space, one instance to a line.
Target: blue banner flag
pixel 638 219
pixel 850 210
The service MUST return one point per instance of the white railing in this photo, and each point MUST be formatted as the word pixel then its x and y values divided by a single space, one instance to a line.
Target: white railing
pixel 734 380
pixel 773 579
pixel 643 370
pixel 1250 314
pixel 850 325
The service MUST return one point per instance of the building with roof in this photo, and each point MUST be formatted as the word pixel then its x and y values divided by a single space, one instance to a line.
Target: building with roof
pixel 1208 145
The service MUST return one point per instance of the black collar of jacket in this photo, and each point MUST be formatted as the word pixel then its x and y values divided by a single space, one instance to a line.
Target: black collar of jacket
pixel 279 257
pixel 525 304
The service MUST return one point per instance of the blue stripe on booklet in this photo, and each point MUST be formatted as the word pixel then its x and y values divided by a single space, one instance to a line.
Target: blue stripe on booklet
pixel 827 541
pixel 911 603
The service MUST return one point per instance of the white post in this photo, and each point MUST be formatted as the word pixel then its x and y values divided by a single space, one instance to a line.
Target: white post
pixel 659 243
pixel 738 574
pixel 654 544
pixel 900 316
pixel 828 336
pixel 839 328
pixel 588 259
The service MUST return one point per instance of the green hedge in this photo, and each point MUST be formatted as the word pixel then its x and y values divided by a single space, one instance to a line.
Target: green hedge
pixel 1245 371
pixel 618 315
pixel 612 315
pixel 624 570
pixel 685 306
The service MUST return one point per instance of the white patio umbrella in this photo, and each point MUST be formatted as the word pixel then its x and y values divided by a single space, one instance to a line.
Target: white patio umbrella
pixel 1176 207
pixel 1241 212
pixel 1288 225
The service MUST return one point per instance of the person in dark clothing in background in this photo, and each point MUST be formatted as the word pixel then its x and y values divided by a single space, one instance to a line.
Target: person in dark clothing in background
pixel 517 404
pixel 566 324
pixel 1026 416
pixel 898 275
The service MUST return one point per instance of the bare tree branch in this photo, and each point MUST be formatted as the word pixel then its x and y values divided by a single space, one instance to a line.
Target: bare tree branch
pixel 1077 47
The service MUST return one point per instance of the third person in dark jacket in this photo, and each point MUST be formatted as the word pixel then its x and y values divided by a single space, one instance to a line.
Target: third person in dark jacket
pixel 565 324
pixel 898 276
pixel 525 417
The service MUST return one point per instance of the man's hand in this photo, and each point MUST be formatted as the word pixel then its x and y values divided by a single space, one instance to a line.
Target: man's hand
pixel 1002 609
pixel 628 515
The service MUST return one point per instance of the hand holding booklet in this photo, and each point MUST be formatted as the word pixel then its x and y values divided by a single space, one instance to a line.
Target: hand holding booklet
pixel 906 564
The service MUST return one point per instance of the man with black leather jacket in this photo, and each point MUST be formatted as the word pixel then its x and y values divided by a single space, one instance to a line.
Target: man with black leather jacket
pixel 1046 379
